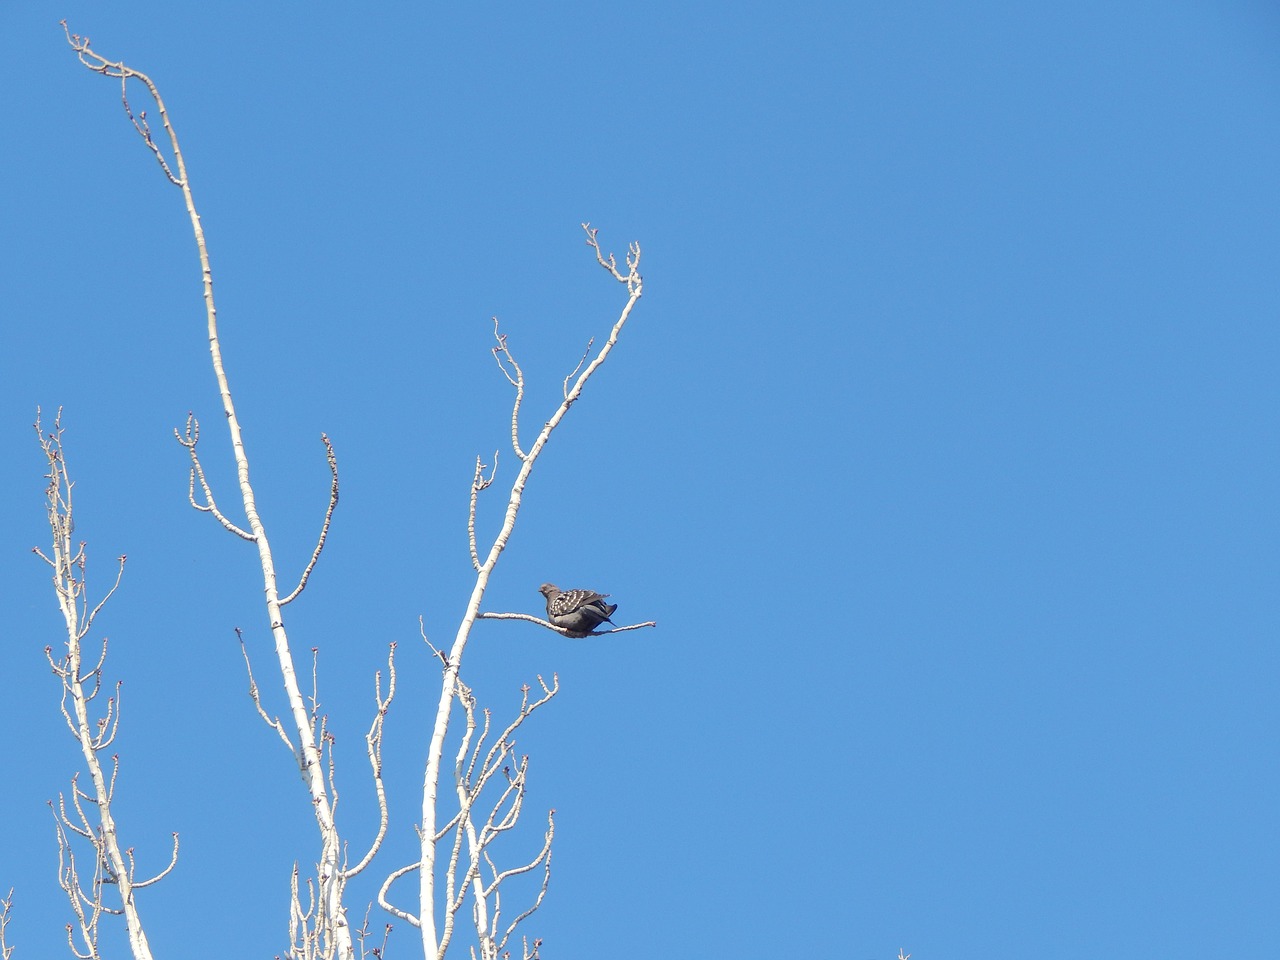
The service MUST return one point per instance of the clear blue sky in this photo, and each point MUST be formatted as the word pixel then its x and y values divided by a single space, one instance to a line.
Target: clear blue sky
pixel 943 447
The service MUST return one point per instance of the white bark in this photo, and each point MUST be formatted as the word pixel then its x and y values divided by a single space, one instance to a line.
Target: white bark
pixel 428 907
pixel 81 684
pixel 335 937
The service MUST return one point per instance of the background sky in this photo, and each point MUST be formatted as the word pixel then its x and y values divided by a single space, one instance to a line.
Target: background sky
pixel 942 447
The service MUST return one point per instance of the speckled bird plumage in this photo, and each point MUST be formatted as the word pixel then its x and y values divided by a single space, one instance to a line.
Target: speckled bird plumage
pixel 578 611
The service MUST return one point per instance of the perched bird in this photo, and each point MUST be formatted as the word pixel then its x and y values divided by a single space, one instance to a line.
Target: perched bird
pixel 578 611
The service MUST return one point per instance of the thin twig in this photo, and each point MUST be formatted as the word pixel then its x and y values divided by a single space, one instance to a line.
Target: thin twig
pixel 517 381
pixel 328 518
pixel 573 373
pixel 275 723
pixel 561 630
pixel 373 741
pixel 197 472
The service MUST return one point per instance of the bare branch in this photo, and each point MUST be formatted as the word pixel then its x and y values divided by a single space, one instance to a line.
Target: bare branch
pixel 561 630
pixel 373 741
pixel 328 518
pixel 386 885
pixel 545 857
pixel 478 483
pixel 362 934
pixel 422 629
pixel 96 672
pixel 6 914
pixel 96 825
pixel 499 352
pixel 479 759
pixel 108 725
pixel 332 930
pixel 69 881
pixel 573 373
pixel 99 64
pixel 173 862
pixel 429 834
pixel 516 871
pixel 197 471
pixel 275 723
pixel 86 830
pixel 632 277
pixel 315 692
pixel 87 622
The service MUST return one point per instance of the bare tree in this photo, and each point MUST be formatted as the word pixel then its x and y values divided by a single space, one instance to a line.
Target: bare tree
pixel 328 931
pixel 6 910
pixel 89 816
pixel 489 778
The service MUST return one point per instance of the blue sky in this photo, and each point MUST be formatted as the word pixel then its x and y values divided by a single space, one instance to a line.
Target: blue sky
pixel 942 447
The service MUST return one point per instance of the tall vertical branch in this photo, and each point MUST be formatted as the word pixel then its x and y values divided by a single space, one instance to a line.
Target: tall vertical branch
pixel 6 914
pixel 307 753
pixel 428 904
pixel 93 819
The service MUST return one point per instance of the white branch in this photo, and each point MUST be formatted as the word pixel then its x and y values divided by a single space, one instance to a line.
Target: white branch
pixel 561 630
pixel 330 913
pixel 373 742
pixel 93 736
pixel 328 519
pixel 427 903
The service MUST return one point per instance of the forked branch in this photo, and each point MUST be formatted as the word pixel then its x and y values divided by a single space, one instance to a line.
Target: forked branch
pixel 434 939
pixel 477 764
pixel 94 821
pixel 334 932
pixel 189 440
pixel 6 914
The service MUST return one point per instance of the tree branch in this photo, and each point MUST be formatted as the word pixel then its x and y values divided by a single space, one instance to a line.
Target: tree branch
pixel 93 736
pixel 335 933
pixel 373 741
pixel 427 905
pixel 328 518
pixel 561 630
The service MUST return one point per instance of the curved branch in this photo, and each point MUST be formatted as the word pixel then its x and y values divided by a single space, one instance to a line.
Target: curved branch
pixel 173 862
pixel 328 518
pixel 197 470
pixel 373 740
pixel 386 885
pixel 517 381
pixel 87 622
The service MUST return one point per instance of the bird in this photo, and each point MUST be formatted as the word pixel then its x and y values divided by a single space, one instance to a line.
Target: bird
pixel 577 611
